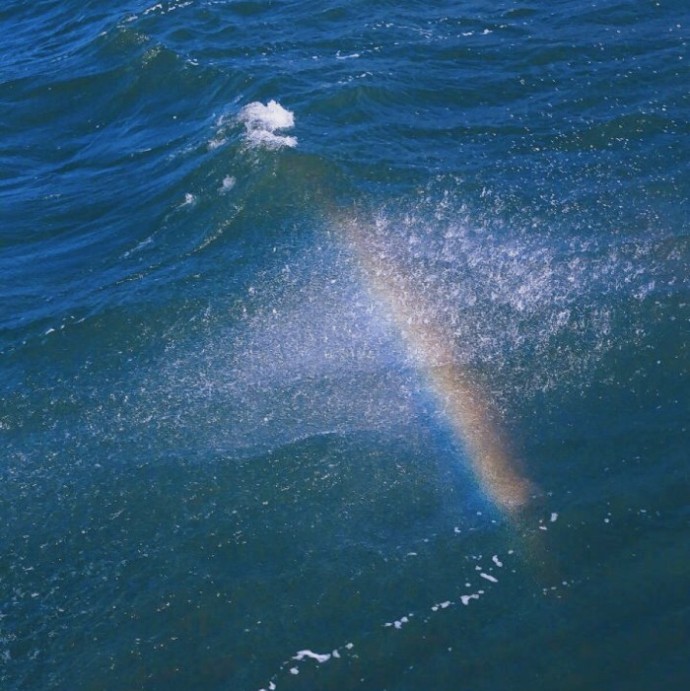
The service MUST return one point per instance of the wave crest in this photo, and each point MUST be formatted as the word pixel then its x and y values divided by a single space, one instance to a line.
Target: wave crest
pixel 263 122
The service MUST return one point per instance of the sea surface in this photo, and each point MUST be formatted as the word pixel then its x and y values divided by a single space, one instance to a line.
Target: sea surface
pixel 344 345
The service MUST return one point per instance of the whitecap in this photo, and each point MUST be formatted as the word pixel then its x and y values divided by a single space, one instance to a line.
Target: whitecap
pixel 262 122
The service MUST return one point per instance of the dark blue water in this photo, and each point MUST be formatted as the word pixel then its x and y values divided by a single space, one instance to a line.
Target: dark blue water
pixel 255 257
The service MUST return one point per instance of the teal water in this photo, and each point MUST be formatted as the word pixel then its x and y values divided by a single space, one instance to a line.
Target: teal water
pixel 229 235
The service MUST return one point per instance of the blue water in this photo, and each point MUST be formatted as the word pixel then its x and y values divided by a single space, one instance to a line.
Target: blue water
pixel 218 449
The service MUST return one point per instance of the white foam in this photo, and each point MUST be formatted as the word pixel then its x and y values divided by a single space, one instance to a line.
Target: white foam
pixel 441 605
pixel 262 122
pixel 153 8
pixel 271 116
pixel 159 9
pixel 314 656
pixel 269 140
pixel 228 183
pixel 398 624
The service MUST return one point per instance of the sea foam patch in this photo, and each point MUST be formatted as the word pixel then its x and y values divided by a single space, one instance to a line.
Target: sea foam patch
pixel 419 618
pixel 263 123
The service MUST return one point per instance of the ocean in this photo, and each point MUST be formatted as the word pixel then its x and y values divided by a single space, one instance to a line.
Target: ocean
pixel 344 345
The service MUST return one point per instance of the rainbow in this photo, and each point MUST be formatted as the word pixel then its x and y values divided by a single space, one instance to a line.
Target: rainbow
pixel 430 349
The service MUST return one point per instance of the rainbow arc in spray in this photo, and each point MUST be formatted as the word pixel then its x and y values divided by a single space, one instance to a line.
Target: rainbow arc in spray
pixel 430 349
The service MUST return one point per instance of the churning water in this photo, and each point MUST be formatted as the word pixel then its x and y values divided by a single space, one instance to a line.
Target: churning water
pixel 344 345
